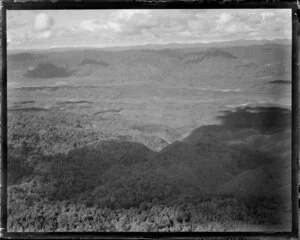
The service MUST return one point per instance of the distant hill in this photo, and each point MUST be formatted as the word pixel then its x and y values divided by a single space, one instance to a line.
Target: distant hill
pixel 20 57
pixel 168 65
pixel 48 70
pixel 93 62
pixel 207 55
pixel 221 44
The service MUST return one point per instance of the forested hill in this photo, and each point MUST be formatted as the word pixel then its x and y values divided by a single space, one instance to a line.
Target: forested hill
pixel 73 162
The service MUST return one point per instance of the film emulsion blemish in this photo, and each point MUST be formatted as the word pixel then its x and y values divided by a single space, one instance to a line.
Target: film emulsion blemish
pixel 149 120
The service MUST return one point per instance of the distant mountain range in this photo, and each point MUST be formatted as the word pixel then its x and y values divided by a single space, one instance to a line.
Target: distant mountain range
pixel 221 44
pixel 235 43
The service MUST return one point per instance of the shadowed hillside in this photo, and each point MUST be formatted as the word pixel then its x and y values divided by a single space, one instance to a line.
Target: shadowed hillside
pixel 264 119
pixel 48 70
pixel 215 164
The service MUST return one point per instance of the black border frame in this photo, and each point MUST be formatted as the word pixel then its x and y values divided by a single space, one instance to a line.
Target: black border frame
pixel 158 4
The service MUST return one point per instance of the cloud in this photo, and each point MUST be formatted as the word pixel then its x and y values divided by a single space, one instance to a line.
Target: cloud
pixel 42 27
pixel 92 25
pixel 89 25
pixel 133 26
pixel 44 34
pixel 140 26
pixel 43 22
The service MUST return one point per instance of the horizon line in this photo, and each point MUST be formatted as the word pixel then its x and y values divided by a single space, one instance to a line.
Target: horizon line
pixel 116 47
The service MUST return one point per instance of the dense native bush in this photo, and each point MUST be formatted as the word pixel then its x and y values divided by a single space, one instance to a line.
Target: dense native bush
pixel 217 214
pixel 65 176
pixel 18 169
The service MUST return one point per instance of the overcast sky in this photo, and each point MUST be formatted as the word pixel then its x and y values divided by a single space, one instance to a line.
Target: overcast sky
pixel 106 28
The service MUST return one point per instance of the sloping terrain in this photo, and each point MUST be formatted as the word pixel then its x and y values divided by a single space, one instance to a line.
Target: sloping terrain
pixel 272 180
pixel 178 139
pixel 202 161
pixel 116 172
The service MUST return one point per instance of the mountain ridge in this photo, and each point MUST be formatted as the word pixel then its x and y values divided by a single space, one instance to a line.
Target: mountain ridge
pixel 222 44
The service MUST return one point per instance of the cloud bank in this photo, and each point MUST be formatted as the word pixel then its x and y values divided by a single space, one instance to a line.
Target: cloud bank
pixel 134 27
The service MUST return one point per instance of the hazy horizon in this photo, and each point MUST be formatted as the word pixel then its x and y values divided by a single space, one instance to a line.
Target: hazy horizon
pixel 228 43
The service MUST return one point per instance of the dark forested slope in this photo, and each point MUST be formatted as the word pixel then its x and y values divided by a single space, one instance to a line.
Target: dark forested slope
pixel 116 173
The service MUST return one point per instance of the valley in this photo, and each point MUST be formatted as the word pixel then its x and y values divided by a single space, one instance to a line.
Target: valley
pixel 167 139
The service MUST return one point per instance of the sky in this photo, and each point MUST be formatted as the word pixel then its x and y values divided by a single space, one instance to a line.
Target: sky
pixel 27 29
